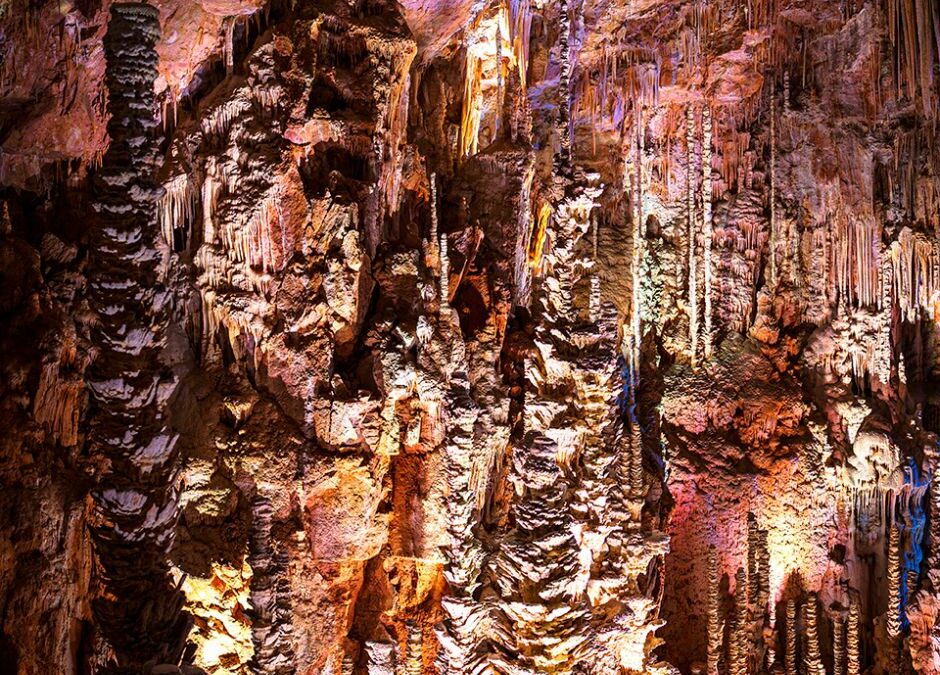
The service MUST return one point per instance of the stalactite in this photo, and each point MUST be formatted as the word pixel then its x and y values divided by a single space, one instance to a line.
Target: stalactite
pixel 914 272
pixel 636 335
pixel 472 106
pixel 715 628
pixel 228 48
pixel 812 661
pixel 520 28
pixel 852 653
pixel 539 236
pixel 499 77
pixel 637 476
pixel 564 87
pixel 707 223
pixel 914 33
pixel 177 210
pixel 693 266
pixel 790 653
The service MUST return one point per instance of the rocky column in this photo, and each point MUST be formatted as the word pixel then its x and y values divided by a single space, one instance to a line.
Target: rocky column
pixel 135 502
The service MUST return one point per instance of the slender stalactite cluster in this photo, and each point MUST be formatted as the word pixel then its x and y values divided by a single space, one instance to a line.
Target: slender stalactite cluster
pixel 136 502
pixel 563 158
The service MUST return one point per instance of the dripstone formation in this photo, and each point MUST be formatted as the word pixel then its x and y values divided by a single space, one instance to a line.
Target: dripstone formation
pixel 135 501
pixel 471 337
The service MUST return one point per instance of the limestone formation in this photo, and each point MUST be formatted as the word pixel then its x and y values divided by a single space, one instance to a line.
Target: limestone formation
pixel 477 337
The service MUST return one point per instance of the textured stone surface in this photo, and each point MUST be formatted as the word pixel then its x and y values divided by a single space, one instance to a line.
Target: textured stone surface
pixel 588 336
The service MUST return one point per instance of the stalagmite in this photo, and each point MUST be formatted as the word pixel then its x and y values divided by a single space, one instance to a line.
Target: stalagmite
pixel 434 234
pixel 838 644
pixel 892 617
pixel 740 641
pixel 790 652
pixel 707 223
pixel 812 661
pixel 439 241
pixel 414 650
pixel 594 301
pixel 133 524
pixel 763 565
pixel 445 272
pixel 693 233
pixel 390 466
pixel 715 628
pixel 852 652
pixel 753 557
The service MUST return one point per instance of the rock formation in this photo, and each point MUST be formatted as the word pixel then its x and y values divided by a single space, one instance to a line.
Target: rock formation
pixel 401 337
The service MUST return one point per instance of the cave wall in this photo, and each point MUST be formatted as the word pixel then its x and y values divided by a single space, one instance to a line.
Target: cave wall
pixel 363 336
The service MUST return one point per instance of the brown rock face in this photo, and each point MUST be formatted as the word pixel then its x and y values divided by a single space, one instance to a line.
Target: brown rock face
pixel 380 337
